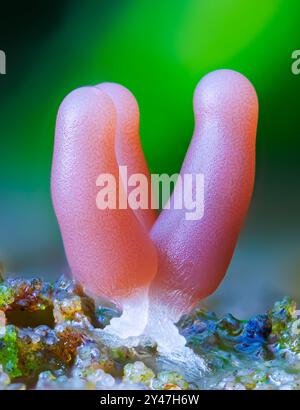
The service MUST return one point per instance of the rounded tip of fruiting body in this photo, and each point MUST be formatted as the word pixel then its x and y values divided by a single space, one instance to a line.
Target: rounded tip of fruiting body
pixel 85 103
pixel 126 104
pixel 223 91
pixel 81 111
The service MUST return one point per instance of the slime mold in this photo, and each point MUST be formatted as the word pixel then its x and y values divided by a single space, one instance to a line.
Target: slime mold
pixel 109 252
pixel 194 255
pixel 120 253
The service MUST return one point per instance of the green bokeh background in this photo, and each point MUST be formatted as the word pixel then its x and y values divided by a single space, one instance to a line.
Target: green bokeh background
pixel 159 50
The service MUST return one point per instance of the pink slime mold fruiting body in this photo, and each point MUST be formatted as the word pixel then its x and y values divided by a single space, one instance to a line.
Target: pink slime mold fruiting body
pixel 194 255
pixel 112 251
pixel 109 251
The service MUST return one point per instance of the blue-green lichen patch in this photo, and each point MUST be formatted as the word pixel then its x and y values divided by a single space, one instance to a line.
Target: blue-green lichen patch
pixel 262 352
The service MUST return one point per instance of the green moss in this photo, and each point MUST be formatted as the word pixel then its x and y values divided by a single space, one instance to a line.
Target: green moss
pixel 6 296
pixel 9 352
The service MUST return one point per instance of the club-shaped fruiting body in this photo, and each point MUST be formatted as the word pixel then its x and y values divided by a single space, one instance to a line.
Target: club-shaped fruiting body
pixel 109 251
pixel 194 255
pixel 112 252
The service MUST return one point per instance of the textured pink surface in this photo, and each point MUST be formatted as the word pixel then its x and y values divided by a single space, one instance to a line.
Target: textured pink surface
pixel 194 255
pixel 128 146
pixel 109 251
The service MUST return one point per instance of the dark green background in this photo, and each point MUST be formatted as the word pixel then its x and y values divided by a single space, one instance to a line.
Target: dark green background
pixel 159 50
